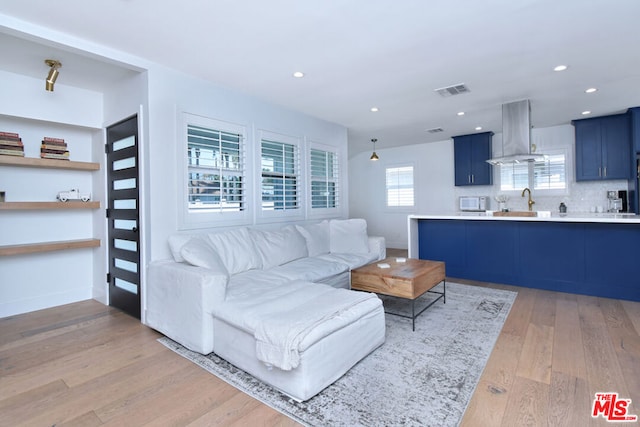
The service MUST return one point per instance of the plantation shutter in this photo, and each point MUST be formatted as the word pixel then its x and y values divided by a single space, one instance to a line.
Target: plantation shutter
pixel 550 174
pixel 324 179
pixel 514 176
pixel 399 185
pixel 215 170
pixel 279 176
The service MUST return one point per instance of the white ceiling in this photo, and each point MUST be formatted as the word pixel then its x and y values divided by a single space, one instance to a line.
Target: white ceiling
pixel 359 54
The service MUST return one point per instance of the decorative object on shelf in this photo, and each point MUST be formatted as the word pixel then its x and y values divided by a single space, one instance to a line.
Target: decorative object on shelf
pixel 2 196
pixel 374 156
pixel 562 209
pixel 53 73
pixel 502 200
pixel 73 194
pixel 11 144
pixel 54 148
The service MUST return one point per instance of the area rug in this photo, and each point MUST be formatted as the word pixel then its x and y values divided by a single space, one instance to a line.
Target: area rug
pixel 421 378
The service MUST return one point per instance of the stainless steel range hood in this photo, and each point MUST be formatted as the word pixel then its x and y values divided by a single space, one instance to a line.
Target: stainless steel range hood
pixel 516 135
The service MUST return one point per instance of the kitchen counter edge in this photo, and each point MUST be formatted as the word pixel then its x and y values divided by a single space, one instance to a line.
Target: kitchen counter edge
pixel 602 218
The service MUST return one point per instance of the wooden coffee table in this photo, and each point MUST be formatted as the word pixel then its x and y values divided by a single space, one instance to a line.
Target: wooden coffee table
pixel 410 280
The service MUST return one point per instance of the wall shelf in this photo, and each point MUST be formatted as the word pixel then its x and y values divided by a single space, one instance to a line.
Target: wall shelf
pixel 8 206
pixel 32 162
pixel 31 248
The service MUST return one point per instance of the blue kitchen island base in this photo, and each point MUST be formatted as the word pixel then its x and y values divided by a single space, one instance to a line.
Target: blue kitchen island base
pixel 590 258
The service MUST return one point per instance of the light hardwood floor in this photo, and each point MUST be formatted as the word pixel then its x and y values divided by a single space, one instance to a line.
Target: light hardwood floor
pixel 85 364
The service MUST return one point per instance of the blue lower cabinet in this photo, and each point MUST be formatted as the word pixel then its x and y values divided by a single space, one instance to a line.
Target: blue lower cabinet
pixel 450 237
pixel 551 255
pixel 612 261
pixel 598 259
pixel 492 251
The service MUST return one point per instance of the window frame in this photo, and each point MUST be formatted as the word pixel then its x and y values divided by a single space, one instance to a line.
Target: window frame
pixel 401 208
pixel 268 215
pixel 189 218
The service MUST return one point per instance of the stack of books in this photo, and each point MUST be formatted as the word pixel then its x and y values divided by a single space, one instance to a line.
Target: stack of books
pixel 54 148
pixel 11 144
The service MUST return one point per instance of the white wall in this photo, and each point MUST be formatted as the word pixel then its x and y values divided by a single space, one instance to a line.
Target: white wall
pixel 35 281
pixel 159 96
pixel 433 181
pixel 171 94
pixel 436 193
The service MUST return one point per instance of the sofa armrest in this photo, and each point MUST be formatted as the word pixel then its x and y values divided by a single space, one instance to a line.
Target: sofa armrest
pixel 179 301
pixel 377 245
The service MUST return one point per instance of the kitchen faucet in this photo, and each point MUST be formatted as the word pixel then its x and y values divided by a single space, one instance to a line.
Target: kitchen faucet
pixel 530 202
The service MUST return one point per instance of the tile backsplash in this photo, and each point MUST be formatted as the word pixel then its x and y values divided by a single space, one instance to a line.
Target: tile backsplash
pixel 580 197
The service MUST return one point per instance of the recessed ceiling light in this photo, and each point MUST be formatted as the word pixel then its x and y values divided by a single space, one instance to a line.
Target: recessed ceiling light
pixel 298 74
pixel 584 113
pixel 461 113
pixel 560 68
pixel 374 109
pixel 478 127
pixel 591 90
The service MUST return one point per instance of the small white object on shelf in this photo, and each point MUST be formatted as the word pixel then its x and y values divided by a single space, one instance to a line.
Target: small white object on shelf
pixel 401 259
pixel 384 265
pixel 73 194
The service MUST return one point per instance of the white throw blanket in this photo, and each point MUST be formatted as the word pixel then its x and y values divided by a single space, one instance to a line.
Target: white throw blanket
pixel 280 334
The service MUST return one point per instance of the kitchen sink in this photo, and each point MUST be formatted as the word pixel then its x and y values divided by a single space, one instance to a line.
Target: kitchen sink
pixel 516 213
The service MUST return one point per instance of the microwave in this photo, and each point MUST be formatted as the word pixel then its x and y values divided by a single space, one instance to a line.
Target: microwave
pixel 474 203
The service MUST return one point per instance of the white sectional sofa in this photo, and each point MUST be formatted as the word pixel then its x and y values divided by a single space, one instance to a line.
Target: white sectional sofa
pixel 275 303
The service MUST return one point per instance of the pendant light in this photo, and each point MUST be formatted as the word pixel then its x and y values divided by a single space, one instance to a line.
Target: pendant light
pixel 53 73
pixel 374 156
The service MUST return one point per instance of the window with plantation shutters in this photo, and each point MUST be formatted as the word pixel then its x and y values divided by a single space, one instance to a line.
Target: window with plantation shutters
pixel 399 186
pixel 280 176
pixel 324 179
pixel 215 168
pixel 549 174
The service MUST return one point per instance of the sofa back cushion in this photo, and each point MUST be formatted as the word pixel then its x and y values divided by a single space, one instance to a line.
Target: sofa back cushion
pixel 348 236
pixel 280 246
pixel 236 250
pixel 199 252
pixel 176 242
pixel 316 236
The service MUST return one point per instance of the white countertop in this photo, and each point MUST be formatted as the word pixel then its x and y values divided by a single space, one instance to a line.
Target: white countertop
pixel 553 217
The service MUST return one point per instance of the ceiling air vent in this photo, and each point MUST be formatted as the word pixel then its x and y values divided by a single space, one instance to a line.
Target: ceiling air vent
pixel 435 130
pixel 453 90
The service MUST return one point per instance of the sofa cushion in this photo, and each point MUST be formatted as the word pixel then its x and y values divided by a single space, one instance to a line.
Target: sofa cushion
pixel 348 236
pixel 200 253
pixel 310 269
pixel 176 242
pixel 316 236
pixel 352 260
pixel 280 246
pixel 253 280
pixel 236 250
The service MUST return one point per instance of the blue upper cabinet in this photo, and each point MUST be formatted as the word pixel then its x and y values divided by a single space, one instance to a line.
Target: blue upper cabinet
pixel 471 153
pixel 635 128
pixel 603 148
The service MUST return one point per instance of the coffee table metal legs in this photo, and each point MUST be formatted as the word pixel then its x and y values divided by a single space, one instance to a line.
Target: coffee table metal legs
pixel 414 315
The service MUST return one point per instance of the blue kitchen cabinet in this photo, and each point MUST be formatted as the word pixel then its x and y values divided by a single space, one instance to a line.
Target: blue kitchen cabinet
pixel 451 237
pixel 603 148
pixel 598 259
pixel 635 129
pixel 471 153
pixel 611 260
pixel 551 255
